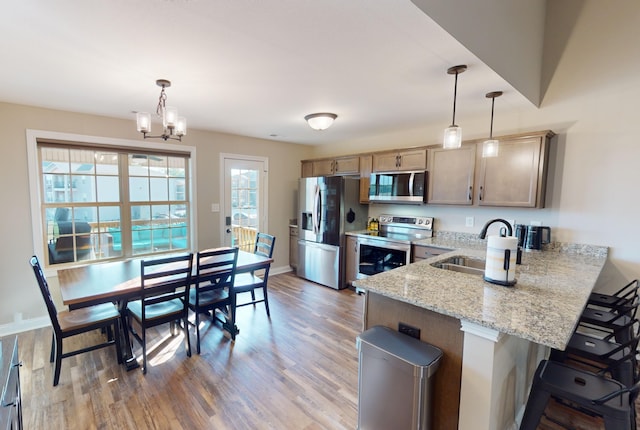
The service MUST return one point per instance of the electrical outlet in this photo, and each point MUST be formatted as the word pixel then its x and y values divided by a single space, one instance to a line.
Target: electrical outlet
pixel 469 222
pixel 408 330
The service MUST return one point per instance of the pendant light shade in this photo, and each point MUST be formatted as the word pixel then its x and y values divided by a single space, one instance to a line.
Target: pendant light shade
pixel 453 133
pixel 320 121
pixel 490 147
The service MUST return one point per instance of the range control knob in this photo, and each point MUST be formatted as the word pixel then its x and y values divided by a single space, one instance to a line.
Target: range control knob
pixel 420 221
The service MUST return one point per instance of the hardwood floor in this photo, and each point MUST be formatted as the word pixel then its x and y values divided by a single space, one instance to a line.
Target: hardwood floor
pixel 298 370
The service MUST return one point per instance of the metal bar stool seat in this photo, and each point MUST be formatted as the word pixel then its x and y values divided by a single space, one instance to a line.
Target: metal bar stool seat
pixel 583 391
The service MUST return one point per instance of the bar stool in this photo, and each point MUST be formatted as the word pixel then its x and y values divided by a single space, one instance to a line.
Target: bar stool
pixel 626 294
pixel 603 357
pixel 617 322
pixel 584 391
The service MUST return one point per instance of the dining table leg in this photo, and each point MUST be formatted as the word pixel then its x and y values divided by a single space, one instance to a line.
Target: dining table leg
pixel 129 360
pixel 230 323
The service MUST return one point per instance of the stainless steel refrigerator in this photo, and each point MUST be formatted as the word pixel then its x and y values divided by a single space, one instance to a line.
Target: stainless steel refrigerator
pixel 328 207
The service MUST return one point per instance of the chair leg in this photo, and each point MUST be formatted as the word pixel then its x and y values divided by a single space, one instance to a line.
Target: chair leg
pixel 53 347
pixel 266 300
pixel 56 371
pixel 534 410
pixel 198 332
pixel 188 338
pixel 144 351
pixel 253 296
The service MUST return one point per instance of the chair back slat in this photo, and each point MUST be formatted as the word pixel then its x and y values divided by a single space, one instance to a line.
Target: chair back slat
pixel 46 293
pixel 264 245
pixel 216 269
pixel 165 279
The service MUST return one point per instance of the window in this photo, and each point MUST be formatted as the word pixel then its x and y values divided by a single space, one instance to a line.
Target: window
pixel 98 203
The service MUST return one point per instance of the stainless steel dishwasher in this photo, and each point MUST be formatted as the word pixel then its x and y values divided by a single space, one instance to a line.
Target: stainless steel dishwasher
pixel 395 380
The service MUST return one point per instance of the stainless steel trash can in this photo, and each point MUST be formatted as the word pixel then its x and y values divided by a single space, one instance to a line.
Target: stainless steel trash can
pixel 395 380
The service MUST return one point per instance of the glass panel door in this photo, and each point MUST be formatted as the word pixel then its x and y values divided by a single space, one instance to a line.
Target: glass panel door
pixel 244 206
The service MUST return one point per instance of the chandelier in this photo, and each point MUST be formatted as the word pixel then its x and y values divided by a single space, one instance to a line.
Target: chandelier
pixel 174 126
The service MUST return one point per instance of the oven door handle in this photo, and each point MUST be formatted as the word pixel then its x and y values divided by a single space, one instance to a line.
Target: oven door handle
pixel 385 245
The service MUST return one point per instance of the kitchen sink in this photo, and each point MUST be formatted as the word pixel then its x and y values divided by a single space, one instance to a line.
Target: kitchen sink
pixel 472 266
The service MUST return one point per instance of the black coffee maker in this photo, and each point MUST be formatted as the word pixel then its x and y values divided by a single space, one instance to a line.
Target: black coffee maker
pixel 532 236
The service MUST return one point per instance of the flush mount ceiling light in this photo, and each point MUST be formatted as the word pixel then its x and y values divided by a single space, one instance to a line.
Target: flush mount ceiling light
pixel 174 126
pixel 320 121
pixel 453 133
pixel 490 147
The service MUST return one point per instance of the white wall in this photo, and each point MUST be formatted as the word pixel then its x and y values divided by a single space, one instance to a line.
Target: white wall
pixel 592 104
pixel 18 287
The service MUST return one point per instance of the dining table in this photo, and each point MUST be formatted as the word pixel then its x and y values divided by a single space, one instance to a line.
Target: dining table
pixel 119 282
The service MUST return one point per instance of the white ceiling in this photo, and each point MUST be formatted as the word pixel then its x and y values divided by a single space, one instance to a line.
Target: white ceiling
pixel 246 67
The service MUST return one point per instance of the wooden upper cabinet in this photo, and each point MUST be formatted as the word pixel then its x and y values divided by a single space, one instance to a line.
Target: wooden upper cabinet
pixel 451 175
pixel 517 176
pixel 306 169
pixel 365 177
pixel 331 166
pixel 410 159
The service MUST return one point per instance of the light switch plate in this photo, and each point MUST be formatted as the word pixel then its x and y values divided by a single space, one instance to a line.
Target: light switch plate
pixel 469 222
pixel 215 207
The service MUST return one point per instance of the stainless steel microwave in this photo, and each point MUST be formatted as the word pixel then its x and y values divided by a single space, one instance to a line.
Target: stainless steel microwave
pixel 398 187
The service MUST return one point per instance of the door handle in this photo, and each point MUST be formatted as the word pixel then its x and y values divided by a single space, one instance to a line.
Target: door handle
pixel 228 230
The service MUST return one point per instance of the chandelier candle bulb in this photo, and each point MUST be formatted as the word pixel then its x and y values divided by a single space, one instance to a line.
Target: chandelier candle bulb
pixel 170 116
pixel 144 122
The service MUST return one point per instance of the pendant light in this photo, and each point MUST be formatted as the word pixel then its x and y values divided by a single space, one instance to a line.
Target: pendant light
pixel 490 147
pixel 453 133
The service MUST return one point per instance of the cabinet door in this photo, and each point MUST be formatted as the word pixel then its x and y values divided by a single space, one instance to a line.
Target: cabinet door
pixel 451 174
pixel 293 247
pixel 347 166
pixel 413 159
pixel 307 169
pixel 323 167
pixel 352 259
pixel 516 177
pixel 386 162
pixel 365 178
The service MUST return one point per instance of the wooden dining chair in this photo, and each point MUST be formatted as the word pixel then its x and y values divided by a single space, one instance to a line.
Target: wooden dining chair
pixel 216 269
pixel 164 298
pixel 250 282
pixel 70 323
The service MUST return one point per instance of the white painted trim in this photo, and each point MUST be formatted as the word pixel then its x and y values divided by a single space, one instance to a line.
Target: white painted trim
pixel 265 185
pixel 32 137
pixel 480 331
pixel 24 325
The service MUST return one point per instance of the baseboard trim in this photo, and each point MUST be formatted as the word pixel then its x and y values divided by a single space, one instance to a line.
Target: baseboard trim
pixel 24 325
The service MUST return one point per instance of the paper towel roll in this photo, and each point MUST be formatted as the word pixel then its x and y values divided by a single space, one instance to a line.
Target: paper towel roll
pixel 494 268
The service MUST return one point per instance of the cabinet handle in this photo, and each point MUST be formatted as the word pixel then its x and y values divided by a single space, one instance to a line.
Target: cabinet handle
pixel 470 193
pixel 397 161
pixel 335 166
pixel 480 195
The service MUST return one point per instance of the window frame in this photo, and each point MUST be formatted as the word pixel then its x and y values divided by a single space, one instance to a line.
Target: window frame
pixel 112 144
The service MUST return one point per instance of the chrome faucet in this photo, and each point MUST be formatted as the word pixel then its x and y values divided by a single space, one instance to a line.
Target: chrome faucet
pixel 483 232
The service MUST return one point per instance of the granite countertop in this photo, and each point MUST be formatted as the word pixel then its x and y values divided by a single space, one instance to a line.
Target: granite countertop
pixel 543 307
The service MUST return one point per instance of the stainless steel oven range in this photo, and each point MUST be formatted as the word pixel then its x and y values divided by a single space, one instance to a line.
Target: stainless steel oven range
pixel 390 246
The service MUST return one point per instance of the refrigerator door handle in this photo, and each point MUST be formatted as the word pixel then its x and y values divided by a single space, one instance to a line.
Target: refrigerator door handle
pixel 316 210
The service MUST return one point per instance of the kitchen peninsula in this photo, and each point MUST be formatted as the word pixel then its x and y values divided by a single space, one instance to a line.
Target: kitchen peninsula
pixel 492 336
